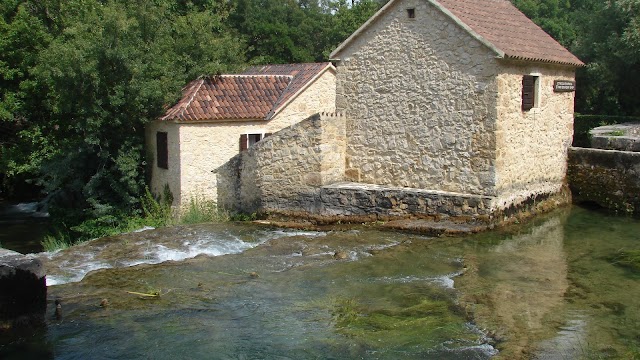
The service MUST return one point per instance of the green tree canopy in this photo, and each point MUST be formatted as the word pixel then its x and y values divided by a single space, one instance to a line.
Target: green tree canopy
pixel 100 71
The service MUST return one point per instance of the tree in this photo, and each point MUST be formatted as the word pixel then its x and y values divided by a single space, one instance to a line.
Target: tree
pixel 609 44
pixel 110 67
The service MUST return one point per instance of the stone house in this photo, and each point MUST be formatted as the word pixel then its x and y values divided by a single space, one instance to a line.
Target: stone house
pixel 460 96
pixel 219 116
pixel 455 108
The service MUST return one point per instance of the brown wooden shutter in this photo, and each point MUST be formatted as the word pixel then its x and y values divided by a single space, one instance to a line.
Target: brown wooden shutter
pixel 528 92
pixel 162 150
pixel 243 142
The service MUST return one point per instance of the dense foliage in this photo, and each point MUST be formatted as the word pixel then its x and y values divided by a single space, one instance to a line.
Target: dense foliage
pixel 606 36
pixel 80 78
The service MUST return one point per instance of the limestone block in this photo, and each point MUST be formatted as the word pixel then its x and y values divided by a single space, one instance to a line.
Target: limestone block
pixel 23 290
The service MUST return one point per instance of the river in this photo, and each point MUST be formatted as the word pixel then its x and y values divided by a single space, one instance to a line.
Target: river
pixel 547 289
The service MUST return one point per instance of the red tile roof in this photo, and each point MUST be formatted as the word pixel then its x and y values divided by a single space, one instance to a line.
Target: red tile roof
pixel 228 97
pixel 257 94
pixel 496 23
pixel 303 75
pixel 508 29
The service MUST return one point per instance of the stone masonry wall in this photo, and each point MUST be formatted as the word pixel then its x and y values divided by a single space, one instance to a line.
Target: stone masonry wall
pixel 284 172
pixel 609 178
pixel 420 98
pixel 203 147
pixel 532 145
pixel 162 177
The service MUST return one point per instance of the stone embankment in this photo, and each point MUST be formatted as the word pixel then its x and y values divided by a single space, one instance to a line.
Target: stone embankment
pixel 608 173
pixel 23 291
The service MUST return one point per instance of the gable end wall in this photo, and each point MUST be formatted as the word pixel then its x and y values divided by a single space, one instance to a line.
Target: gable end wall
pixel 420 99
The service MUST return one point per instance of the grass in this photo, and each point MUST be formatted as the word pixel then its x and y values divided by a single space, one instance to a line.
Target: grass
pixel 616 133
pixel 203 211
pixel 156 213
pixel 60 241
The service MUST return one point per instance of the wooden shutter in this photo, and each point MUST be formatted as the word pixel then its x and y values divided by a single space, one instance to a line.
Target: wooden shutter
pixel 528 92
pixel 243 142
pixel 162 150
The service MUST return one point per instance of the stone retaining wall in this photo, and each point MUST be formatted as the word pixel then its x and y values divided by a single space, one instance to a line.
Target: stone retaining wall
pixel 609 178
pixel 284 172
pixel 352 200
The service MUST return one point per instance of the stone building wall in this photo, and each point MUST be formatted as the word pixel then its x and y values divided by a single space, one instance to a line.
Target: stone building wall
pixel 163 177
pixel 531 156
pixel 205 146
pixel 420 98
pixel 284 172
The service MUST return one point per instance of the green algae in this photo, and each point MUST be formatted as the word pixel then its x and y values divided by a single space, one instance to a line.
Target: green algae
pixel 628 258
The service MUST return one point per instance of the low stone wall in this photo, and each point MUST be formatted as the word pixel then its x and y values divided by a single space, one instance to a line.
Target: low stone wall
pixel 624 137
pixel 608 178
pixel 374 202
pixel 23 291
pixel 284 172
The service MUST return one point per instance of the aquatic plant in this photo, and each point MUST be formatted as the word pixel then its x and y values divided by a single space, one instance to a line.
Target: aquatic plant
pixel 628 258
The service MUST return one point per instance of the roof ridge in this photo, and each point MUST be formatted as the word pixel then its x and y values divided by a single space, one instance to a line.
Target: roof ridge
pixel 249 75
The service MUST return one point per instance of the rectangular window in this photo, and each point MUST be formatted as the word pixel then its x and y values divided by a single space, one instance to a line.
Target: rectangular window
pixel 162 150
pixel 247 140
pixel 530 92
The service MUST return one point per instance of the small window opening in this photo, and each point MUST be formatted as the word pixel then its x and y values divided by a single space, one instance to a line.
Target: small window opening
pixel 162 150
pixel 411 13
pixel 247 140
pixel 530 96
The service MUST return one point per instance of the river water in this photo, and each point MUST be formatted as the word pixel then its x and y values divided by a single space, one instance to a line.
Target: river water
pixel 548 289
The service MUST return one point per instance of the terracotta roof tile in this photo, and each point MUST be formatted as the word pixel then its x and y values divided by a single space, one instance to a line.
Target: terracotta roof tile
pixel 508 29
pixel 229 97
pixel 258 93
pixel 302 75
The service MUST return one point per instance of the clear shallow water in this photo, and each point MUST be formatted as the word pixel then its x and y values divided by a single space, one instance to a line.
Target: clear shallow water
pixel 543 290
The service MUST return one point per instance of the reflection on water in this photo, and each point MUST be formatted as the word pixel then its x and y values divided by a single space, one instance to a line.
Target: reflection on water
pixel 23 227
pixel 543 290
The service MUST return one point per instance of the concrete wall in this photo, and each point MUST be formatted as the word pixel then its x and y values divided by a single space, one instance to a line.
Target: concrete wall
pixel 284 172
pixel 609 178
pixel 205 146
pixel 420 98
pixel 531 156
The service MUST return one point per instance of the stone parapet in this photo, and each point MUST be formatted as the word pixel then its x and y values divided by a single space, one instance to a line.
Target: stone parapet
pixel 623 137
pixel 609 178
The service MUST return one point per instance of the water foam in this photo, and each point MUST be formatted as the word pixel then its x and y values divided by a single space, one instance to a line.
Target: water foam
pixel 73 264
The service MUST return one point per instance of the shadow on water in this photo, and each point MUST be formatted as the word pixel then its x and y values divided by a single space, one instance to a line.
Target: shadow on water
pixel 549 289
